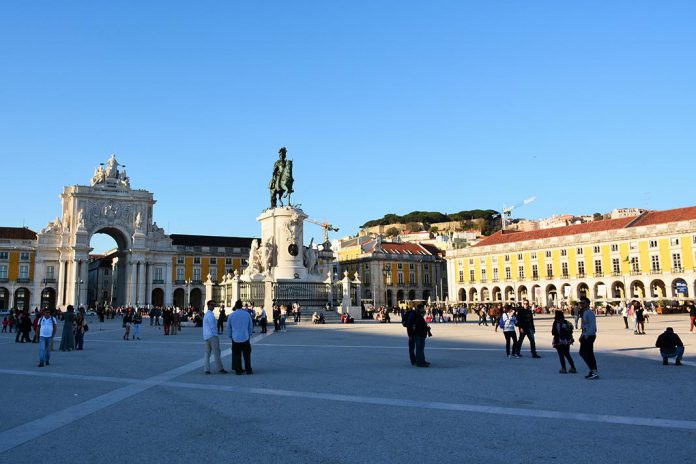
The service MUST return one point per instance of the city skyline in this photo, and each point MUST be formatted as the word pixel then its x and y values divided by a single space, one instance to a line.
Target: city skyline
pixel 385 108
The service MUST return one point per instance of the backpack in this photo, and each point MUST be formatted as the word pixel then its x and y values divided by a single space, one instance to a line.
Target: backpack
pixel 501 322
pixel 566 330
pixel 406 319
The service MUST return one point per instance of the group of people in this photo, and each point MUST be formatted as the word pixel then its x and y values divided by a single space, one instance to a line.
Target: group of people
pixel 240 328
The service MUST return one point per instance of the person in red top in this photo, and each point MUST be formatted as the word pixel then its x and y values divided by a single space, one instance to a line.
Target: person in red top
pixel 37 318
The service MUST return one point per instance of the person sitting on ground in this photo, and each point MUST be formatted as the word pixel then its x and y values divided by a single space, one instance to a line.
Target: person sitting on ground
pixel 670 346
pixel 315 318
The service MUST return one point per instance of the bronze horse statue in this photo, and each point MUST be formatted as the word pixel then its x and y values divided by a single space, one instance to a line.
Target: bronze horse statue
pixel 282 185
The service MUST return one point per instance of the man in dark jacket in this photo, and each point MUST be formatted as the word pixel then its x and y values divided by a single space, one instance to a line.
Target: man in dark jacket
pixel 406 321
pixel 670 346
pixel 525 322
pixel 421 331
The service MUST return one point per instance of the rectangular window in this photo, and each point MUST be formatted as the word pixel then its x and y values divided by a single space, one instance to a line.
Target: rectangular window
pixel 495 273
pixel 106 272
pixel 411 266
pixel 507 258
pixel 693 240
pixel 159 274
pixel 461 276
pixel 614 247
pixel 535 271
pixel 471 275
pixel 632 246
pixel 426 278
pixel 519 257
pixel 578 251
pixel 635 265
pixel 564 269
pixel 581 268
pixel 399 265
pixel 229 270
pixel 534 256
pixel 653 243
pixel 51 272
pixel 548 254
pixel 596 249
pixel 520 272
pixel 482 260
pixel 615 266
pixel 549 270
pixel 179 260
pixel 228 261
pixel 196 260
pixel 213 274
pixel 508 274
pixel 4 255
pixel 412 277
pixel 180 273
pixel 460 263
pixel 598 267
pixel 674 241
pixel 213 261
pixel 471 261
pixel 24 272
pixel 483 274
pixel 3 271
pixel 24 256
pixel 105 284
pixel 564 252
pixel 655 263
pixel 400 278
pixel 676 262
pixel 426 266
pixel 197 274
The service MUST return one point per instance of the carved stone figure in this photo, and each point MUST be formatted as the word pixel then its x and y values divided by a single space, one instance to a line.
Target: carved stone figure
pixel 282 180
pixel 253 266
pixel 311 256
pixel 267 257
pixel 112 168
pixel 292 226
pixel 138 221
pixel 80 220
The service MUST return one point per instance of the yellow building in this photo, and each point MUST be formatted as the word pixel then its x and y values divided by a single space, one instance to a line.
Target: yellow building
pixel 17 259
pixel 648 257
pixel 393 272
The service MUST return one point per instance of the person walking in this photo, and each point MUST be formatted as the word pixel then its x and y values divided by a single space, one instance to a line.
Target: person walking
pixel 421 331
pixel 67 341
pixel 211 340
pixel 276 318
pixel 640 320
pixel 624 314
pixel 692 316
pixel 166 320
pixel 47 329
pixel 137 322
pixel 239 329
pixel 562 332
pixel 406 321
pixel 588 337
pixel 127 320
pixel 176 320
pixel 525 322
pixel 507 324
pixel 80 330
pixel 263 320
pixel 283 317
pixel 222 318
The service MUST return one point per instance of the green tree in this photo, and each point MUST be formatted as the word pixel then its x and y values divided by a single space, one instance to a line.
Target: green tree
pixel 392 232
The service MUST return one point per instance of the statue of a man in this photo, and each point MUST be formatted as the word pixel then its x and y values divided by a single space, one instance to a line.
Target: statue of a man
pixel 278 169
pixel 112 167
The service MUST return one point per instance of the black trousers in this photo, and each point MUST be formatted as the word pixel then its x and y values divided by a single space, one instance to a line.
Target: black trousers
pixel 510 337
pixel 264 323
pixel 412 349
pixel 563 354
pixel 587 351
pixel 239 350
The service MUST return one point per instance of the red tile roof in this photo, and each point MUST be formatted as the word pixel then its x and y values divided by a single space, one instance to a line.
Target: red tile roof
pixel 404 248
pixel 646 219
pixel 17 233
pixel 669 215
pixel 510 236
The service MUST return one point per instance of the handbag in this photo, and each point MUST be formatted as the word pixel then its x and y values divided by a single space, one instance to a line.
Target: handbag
pixel 85 328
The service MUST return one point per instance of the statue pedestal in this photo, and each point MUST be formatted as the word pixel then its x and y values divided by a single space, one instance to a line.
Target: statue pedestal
pixel 283 227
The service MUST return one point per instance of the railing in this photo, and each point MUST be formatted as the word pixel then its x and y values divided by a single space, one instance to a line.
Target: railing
pixel 676 270
pixel 495 280
pixel 565 277
pixel 484 280
pixel 307 294
pixel 49 280
pixel 616 274
pixel 196 282
pixel 157 281
pixel 549 276
pixel 599 274
pixel 581 275
pixel 655 271
pixel 23 281
pixel 4 280
pixel 252 292
pixel 536 277
pixel 635 273
pixel 179 282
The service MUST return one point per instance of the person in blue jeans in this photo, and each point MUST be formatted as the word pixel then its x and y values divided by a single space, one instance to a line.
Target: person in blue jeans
pixel 421 331
pixel 47 329
pixel 670 346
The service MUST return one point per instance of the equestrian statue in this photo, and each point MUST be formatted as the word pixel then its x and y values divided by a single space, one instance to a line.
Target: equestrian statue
pixel 282 180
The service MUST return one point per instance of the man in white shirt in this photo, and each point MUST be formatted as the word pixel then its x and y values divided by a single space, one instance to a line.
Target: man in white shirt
pixel 239 328
pixel 212 342
pixel 47 328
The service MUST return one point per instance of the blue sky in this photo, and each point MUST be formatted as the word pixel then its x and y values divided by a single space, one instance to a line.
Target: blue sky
pixel 384 106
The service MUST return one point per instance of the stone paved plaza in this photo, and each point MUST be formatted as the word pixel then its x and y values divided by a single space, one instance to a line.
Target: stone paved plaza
pixel 347 394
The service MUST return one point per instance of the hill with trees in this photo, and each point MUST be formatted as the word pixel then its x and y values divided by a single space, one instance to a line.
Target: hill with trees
pixel 431 217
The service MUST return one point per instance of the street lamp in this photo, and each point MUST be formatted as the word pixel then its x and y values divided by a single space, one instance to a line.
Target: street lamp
pixel 187 296
pixel 78 284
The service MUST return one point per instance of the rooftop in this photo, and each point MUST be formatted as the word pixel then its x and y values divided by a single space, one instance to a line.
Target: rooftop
pixel 17 233
pixel 211 241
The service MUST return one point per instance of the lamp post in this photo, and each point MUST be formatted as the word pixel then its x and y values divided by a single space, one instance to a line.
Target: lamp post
pixel 187 296
pixel 79 289
pixel 385 274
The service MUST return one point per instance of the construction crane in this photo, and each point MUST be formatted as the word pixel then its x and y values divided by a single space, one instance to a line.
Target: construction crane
pixel 324 225
pixel 507 211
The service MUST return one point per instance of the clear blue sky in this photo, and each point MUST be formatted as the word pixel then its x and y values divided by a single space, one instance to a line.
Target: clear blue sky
pixel 384 106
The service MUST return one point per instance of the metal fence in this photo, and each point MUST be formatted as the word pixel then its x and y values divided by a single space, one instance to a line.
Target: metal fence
pixel 252 292
pixel 307 294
